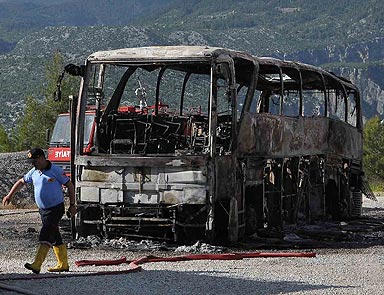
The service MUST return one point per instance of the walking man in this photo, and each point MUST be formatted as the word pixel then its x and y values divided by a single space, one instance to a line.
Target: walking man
pixel 47 180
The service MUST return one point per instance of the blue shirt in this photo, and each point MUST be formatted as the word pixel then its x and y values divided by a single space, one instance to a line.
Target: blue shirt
pixel 47 185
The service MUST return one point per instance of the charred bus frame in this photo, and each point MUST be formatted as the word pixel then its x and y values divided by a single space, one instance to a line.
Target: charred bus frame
pixel 264 142
pixel 301 145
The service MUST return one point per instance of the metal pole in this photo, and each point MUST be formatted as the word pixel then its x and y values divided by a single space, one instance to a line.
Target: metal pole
pixel 73 107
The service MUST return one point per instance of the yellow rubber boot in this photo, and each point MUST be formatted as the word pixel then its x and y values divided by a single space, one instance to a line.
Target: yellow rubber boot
pixel 41 254
pixel 62 259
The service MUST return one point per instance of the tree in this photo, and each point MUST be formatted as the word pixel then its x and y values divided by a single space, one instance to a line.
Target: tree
pixel 4 141
pixel 374 149
pixel 41 115
pixel 30 130
pixel 69 86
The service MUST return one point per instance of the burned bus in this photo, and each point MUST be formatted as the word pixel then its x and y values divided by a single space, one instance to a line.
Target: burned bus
pixel 300 140
pixel 214 144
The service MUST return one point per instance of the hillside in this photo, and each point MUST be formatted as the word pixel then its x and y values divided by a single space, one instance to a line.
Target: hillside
pixel 301 24
pixel 344 36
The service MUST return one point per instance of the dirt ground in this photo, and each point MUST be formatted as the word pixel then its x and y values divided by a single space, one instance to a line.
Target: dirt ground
pixel 21 226
pixel 349 260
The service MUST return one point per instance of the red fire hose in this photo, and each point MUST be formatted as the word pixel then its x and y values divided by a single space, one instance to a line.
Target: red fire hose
pixel 134 265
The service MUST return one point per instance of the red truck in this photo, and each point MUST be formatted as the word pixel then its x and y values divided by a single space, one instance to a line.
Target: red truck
pixel 59 150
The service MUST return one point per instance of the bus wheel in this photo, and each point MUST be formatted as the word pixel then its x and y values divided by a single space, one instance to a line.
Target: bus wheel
pixel 357 202
pixel 251 221
pixel 332 199
pixel 85 223
pixel 180 235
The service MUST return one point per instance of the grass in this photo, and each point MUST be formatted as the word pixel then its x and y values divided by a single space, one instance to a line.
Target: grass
pixel 377 186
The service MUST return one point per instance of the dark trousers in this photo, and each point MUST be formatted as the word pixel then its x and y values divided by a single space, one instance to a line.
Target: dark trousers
pixel 50 218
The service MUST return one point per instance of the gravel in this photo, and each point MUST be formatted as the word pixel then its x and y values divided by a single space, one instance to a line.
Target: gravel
pixel 338 270
pixel 352 264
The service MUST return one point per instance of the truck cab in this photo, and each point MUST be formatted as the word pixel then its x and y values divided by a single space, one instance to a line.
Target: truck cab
pixel 59 150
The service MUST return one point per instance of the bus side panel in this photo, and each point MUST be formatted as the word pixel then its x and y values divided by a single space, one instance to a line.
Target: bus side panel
pixel 309 167
pixel 229 200
pixel 275 136
pixel 345 140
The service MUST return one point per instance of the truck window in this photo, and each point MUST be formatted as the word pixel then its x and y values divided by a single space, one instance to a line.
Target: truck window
pixel 61 132
pixel 61 135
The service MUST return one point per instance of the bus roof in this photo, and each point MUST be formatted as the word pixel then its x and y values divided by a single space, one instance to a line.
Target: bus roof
pixel 165 53
pixel 330 78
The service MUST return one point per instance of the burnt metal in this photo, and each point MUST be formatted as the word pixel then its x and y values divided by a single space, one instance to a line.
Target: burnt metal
pixel 272 143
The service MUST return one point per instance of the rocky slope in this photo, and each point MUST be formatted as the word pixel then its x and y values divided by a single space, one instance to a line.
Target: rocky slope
pixel 13 167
